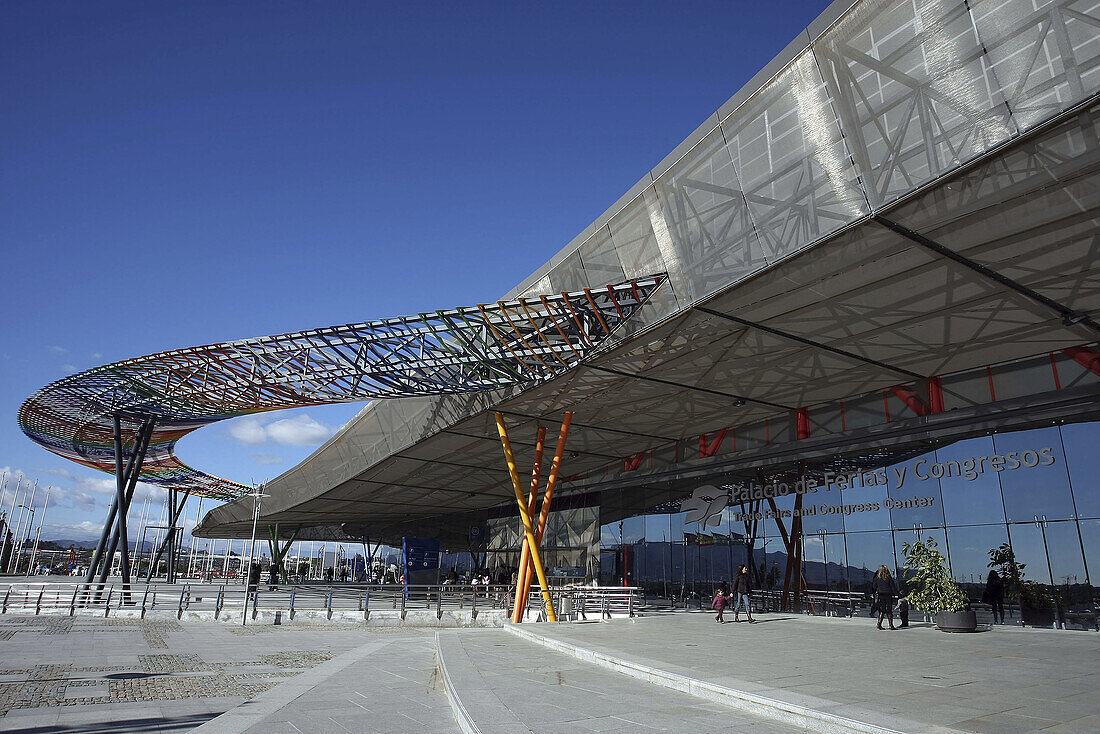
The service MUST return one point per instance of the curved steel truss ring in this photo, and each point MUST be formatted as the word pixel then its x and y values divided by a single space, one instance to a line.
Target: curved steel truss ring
pixel 444 352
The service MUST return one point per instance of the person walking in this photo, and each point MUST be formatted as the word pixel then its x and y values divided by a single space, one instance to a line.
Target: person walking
pixel 719 604
pixel 885 589
pixel 742 587
pixel 994 596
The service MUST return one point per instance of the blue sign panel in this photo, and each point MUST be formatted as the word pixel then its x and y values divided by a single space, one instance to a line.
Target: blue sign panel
pixel 421 560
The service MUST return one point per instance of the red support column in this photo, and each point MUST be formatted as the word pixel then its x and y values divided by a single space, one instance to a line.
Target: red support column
pixel 935 394
pixel 802 423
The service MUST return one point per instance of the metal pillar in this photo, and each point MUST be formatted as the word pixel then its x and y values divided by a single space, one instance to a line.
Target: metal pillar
pixel 528 528
pixel 174 511
pixel 114 529
pixel 525 575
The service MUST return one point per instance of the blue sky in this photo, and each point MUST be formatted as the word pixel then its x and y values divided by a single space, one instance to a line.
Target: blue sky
pixel 174 174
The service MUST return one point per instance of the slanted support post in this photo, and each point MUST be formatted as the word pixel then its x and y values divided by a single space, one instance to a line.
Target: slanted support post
pixel 526 573
pixel 528 526
pixel 114 529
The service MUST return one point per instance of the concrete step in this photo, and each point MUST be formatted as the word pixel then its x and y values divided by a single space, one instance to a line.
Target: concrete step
pixel 501 684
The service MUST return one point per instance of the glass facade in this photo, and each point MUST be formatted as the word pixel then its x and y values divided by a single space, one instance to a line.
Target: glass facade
pixel 1038 490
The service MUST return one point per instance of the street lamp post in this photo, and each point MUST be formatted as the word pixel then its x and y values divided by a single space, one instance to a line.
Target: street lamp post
pixel 19 549
pixel 256 495
pixel 38 534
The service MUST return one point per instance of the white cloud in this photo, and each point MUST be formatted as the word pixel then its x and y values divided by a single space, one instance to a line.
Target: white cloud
pixel 262 458
pixel 59 350
pixel 248 431
pixel 86 530
pixel 298 431
pixel 97 355
pixel 68 368
pixel 301 430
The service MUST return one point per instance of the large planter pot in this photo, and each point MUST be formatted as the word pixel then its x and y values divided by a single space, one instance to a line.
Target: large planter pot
pixel 957 621
pixel 1037 616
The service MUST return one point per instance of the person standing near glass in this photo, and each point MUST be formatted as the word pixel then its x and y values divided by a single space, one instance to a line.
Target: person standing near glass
pixel 742 587
pixel 885 589
pixel 994 596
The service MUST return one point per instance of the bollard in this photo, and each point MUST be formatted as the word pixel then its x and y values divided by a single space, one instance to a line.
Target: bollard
pixel 366 604
pixel 403 612
pixel 144 600
pixel 473 608
pixel 72 606
pixel 183 593
pixel 6 595
pixel 293 592
pixel 439 604
pixel 38 604
pixel 630 604
pixel 107 604
pixel 219 601
pixel 330 605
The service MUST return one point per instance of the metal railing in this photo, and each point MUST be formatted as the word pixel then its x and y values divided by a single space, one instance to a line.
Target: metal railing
pixel 346 600
pixel 47 597
pixel 577 603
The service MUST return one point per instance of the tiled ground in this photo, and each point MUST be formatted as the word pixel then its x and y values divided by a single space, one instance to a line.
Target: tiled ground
pixel 83 674
pixel 1005 680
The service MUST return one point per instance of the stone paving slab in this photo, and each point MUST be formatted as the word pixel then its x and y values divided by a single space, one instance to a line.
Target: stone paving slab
pixel 390 685
pixel 87 674
pixel 506 685
pixel 1006 680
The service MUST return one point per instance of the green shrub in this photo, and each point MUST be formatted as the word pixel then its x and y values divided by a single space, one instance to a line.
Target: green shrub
pixel 932 590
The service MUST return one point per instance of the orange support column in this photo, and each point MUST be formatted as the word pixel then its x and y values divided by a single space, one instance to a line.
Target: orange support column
pixel 517 607
pixel 528 527
pixel 551 484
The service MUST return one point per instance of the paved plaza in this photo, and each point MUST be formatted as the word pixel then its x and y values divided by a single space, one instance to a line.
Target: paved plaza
pixel 1002 681
pixel 667 672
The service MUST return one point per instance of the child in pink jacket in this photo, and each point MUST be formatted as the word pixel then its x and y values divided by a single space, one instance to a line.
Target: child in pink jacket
pixel 719 604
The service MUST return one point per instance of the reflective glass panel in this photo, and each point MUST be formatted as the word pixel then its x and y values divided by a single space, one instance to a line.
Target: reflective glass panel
pixel 914 500
pixel 865 552
pixel 1034 480
pixel 1081 441
pixel 971 495
pixel 869 507
pixel 969 556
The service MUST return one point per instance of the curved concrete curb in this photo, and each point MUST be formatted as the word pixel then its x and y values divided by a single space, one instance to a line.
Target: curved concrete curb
pixel 462 717
pixel 476 708
pixel 789 713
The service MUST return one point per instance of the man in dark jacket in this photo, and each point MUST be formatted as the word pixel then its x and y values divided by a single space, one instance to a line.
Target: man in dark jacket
pixel 742 587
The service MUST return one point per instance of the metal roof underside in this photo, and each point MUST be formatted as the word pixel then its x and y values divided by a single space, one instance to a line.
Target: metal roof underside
pixel 910 189
pixel 1030 212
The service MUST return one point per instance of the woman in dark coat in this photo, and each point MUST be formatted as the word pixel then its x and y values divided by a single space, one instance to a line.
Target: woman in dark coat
pixel 885 589
pixel 994 596
pixel 742 587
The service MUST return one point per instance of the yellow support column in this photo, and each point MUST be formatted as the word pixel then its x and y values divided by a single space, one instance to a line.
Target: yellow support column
pixel 555 467
pixel 521 577
pixel 525 515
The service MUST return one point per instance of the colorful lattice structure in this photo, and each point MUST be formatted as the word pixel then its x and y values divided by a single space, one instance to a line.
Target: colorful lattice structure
pixel 463 350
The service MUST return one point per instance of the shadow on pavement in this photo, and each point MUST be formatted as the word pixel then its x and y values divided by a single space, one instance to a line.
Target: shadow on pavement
pixel 125 726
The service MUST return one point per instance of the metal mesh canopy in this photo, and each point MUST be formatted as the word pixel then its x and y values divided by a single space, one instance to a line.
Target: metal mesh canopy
pixel 463 350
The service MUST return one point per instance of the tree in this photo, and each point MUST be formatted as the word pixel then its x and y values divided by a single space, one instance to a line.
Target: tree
pixel 932 588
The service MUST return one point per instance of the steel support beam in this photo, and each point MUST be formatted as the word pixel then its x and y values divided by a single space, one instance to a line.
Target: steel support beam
pixel 1069 316
pixel 808 342
pixel 114 529
pixel 738 400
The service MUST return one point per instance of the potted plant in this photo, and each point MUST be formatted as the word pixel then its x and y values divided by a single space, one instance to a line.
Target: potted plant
pixel 933 591
pixel 1036 603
